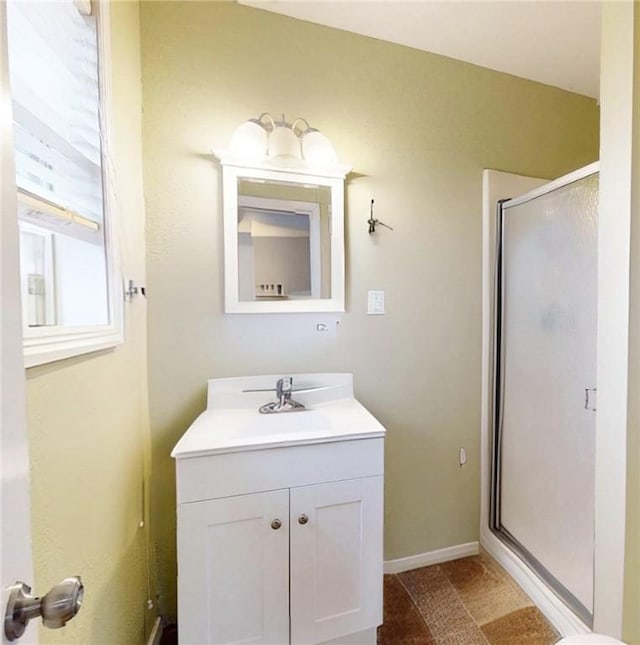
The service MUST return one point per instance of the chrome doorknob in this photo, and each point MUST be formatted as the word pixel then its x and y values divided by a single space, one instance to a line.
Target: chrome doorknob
pixel 276 524
pixel 57 607
pixel 303 519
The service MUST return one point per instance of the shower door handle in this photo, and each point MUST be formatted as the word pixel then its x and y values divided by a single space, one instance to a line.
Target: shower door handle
pixel 590 401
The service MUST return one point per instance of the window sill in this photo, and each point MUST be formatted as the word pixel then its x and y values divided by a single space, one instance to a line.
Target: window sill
pixel 58 344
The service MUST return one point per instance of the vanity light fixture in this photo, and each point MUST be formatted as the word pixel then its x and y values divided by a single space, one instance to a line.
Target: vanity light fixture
pixel 251 138
pixel 284 141
pixel 265 138
pixel 316 147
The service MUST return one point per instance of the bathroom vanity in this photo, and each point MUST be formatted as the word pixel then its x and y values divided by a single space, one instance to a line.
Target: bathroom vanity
pixel 280 516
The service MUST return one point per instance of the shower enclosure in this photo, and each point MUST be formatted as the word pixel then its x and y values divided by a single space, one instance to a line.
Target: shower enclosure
pixel 544 398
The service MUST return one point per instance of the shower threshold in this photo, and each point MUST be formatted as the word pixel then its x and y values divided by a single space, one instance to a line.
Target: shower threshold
pixel 544 575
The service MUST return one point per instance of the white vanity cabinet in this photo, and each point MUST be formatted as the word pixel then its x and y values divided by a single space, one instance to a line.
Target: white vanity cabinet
pixel 335 559
pixel 234 569
pixel 280 536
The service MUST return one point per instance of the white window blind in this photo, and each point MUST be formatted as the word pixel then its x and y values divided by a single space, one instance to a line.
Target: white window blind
pixel 53 56
pixel 69 284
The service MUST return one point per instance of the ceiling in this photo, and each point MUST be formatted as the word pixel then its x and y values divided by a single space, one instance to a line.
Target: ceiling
pixel 556 42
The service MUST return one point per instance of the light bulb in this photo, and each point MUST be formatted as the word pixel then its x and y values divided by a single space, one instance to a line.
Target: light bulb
pixel 249 141
pixel 317 149
pixel 283 142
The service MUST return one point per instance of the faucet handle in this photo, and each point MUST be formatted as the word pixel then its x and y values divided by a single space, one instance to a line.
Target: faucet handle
pixel 313 388
pixel 286 383
pixel 284 387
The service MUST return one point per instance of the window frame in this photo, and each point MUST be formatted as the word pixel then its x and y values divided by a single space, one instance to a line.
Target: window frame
pixel 47 344
pixel 49 273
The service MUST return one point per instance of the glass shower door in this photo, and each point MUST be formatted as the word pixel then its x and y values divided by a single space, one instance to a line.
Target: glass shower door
pixel 544 436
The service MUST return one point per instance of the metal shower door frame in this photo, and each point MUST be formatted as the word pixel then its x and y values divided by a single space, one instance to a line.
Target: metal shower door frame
pixel 496 413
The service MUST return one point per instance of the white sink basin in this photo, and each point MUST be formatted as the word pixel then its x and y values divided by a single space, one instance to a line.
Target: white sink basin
pixel 232 423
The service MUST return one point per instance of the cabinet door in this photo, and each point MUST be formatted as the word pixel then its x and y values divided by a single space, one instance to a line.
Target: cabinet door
pixel 233 570
pixel 336 559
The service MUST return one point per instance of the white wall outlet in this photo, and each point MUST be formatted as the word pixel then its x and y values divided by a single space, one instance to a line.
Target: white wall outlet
pixel 375 303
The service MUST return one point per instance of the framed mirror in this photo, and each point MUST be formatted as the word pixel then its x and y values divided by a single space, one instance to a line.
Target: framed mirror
pixel 283 240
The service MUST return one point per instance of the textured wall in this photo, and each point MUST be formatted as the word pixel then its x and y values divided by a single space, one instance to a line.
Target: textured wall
pixel 617 491
pixel 418 129
pixel 631 626
pixel 88 421
pixel 631 608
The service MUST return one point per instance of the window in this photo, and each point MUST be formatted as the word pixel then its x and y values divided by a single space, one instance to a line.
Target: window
pixel 69 295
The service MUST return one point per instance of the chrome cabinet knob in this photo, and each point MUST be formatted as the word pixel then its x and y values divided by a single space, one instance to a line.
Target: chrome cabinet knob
pixel 303 519
pixel 276 524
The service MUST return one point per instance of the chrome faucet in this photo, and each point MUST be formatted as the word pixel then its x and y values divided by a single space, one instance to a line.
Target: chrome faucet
pixel 284 387
pixel 283 390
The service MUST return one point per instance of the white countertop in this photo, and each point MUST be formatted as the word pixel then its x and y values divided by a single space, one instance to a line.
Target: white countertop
pixel 232 423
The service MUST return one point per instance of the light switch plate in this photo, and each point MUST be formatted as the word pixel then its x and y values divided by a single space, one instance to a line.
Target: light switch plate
pixel 375 303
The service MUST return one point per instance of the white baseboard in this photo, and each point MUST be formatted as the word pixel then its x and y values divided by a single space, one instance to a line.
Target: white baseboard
pixel 366 637
pixel 431 557
pixel 156 633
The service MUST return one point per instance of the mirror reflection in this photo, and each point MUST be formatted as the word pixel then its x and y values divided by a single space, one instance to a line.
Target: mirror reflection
pixel 284 240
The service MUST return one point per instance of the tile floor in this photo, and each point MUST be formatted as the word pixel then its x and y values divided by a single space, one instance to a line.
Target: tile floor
pixel 463 602
pixel 471 601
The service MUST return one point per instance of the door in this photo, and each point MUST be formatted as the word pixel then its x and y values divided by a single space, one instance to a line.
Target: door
pixel 15 536
pixel 233 570
pixel 336 559
pixel 545 450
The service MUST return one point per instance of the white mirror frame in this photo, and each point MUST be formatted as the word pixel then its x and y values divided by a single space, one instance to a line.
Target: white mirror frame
pixel 232 171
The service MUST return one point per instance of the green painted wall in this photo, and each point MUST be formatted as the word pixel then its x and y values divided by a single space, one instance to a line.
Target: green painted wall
pixel 88 421
pixel 617 491
pixel 418 130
